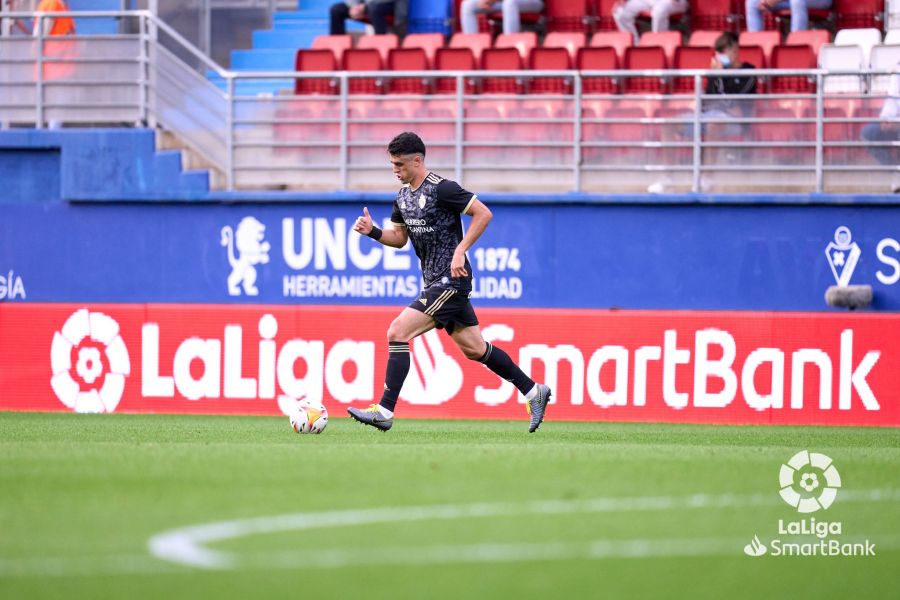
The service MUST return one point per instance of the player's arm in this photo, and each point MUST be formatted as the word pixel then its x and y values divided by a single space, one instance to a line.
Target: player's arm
pixel 395 237
pixel 481 216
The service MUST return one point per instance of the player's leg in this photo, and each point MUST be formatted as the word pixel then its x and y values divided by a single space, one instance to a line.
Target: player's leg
pixel 473 346
pixel 408 324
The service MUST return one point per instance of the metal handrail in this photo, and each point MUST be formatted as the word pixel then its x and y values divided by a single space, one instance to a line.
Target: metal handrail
pixel 237 104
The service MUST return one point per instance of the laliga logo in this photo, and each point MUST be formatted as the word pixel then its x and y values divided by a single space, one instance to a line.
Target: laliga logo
pixel 90 363
pixel 251 251
pixel 434 377
pixel 842 255
pixel 809 481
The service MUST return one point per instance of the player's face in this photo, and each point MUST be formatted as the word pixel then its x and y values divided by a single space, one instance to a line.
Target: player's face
pixel 406 167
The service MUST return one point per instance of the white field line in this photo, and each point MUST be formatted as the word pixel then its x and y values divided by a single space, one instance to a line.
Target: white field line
pixel 187 545
pixel 184 548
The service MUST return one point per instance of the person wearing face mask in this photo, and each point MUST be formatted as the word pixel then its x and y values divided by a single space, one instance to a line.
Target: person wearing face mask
pixel 726 57
pixel 722 106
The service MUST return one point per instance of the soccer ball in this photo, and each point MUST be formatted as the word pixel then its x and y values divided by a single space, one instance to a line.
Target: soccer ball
pixel 308 417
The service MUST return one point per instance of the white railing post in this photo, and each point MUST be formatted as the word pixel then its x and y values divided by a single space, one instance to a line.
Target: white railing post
pixel 820 133
pixel 576 131
pixel 458 126
pixel 39 66
pixel 344 152
pixel 698 132
pixel 229 135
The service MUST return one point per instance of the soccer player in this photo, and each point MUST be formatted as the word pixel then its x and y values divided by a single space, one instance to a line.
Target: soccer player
pixel 427 211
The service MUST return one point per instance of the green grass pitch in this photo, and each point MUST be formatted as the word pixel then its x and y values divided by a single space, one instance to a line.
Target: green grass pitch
pixel 431 509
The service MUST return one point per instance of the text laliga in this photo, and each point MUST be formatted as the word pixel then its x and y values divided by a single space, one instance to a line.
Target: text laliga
pixel 586 372
pixel 223 376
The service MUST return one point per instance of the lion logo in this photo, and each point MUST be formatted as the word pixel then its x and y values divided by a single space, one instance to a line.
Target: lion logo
pixel 251 250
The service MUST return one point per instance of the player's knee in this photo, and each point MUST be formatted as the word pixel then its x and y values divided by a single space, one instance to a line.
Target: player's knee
pixel 395 333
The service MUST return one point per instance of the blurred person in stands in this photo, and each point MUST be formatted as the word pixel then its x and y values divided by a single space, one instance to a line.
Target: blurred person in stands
pixel 726 58
pixel 625 12
pixel 375 12
pixel 720 107
pixel 886 130
pixel 12 26
pixel 799 12
pixel 58 54
pixel 511 9
pixel 53 26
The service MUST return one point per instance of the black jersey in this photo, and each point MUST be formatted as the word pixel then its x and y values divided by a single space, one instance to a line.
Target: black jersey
pixel 431 215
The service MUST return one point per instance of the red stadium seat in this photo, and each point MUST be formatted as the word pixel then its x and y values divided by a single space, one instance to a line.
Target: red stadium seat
pixel 336 43
pixel 603 10
pixel 643 59
pixel 793 57
pixel 483 124
pixel 667 40
pixel 832 132
pixel 454 59
pixel 523 42
pixel 568 15
pixel 572 42
pixel 492 23
pixel 475 42
pixel 436 121
pixel 786 130
pixel 715 15
pixel 858 14
pixel 408 59
pixel 532 128
pixel 618 40
pixel 627 132
pixel 812 38
pixel 767 40
pixel 501 59
pixel 429 42
pixel 754 55
pixel 598 59
pixel 550 59
pixel 704 39
pixel 383 43
pixel 309 61
pixel 689 57
pixel 356 59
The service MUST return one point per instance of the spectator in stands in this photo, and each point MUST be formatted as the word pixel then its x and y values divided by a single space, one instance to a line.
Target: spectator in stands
pixel 54 25
pixel 799 12
pixel 375 12
pixel 512 22
pixel 721 107
pixel 887 130
pixel 726 57
pixel 625 13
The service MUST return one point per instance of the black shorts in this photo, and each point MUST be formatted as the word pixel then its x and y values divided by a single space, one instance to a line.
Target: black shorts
pixel 449 308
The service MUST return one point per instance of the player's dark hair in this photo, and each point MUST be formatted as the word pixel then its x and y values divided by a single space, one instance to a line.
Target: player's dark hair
pixel 725 41
pixel 406 143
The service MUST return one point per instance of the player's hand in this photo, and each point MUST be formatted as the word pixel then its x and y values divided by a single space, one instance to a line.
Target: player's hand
pixel 363 224
pixel 458 264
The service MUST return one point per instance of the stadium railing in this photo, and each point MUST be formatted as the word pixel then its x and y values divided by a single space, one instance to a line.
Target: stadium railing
pixel 563 142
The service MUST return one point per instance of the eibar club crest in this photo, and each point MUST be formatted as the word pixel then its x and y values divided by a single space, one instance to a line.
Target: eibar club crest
pixel 842 254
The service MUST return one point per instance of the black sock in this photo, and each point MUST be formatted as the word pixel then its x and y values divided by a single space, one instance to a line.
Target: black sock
pixel 397 368
pixel 499 362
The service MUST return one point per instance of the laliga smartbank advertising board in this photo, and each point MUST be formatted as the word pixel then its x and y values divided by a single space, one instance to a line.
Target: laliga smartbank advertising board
pixel 700 367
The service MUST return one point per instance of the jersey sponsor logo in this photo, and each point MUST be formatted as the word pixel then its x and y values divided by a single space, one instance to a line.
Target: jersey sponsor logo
pixel 245 248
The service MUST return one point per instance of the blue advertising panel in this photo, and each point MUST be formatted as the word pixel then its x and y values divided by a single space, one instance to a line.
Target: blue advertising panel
pixel 771 256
